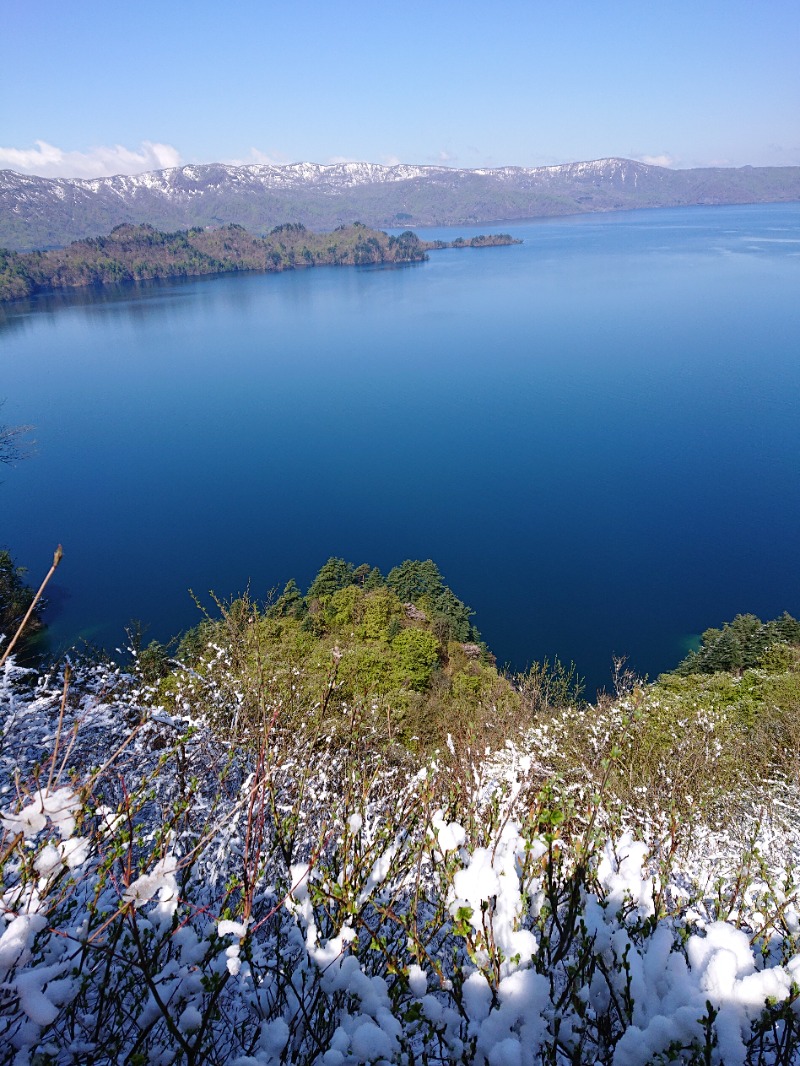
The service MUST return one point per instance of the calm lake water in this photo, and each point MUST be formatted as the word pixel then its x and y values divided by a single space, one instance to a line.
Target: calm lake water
pixel 595 434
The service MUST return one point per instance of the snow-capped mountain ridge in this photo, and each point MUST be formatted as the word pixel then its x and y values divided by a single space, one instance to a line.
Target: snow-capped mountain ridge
pixel 341 175
pixel 43 212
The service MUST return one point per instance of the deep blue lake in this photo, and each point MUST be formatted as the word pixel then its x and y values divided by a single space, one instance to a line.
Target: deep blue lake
pixel 595 434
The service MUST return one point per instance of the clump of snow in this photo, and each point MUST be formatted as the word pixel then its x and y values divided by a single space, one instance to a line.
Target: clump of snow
pixel 56 808
pixel 417 980
pixel 161 879
pixel 449 835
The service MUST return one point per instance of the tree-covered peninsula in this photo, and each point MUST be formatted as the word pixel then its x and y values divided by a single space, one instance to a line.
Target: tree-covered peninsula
pixel 143 253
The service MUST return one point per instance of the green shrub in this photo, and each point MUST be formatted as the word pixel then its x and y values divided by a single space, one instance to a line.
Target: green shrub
pixel 417 655
pixel 382 612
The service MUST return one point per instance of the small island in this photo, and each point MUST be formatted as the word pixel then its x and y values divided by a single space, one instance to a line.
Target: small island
pixel 483 240
pixel 143 253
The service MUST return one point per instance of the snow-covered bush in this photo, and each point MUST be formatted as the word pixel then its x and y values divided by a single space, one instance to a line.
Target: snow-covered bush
pixel 171 895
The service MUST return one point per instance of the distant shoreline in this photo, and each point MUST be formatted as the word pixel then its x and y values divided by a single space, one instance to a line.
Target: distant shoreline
pixel 37 212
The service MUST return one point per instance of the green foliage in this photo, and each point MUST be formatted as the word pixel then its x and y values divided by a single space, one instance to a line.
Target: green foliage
pixel 15 598
pixel 334 575
pixel 740 645
pixel 193 644
pixel 547 686
pixel 689 746
pixel 15 282
pixel 482 240
pixel 367 671
pixel 779 658
pixel 720 729
pixel 152 662
pixel 383 615
pixel 413 579
pixel 140 253
pixel 344 607
pixel 417 655
pixel 290 604
pixel 420 583
pixel 353 627
pixel 408 245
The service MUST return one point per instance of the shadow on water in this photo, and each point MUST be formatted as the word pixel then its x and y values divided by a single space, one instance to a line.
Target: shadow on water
pixel 38 649
pixel 134 300
pixel 128 299
pixel 57 641
pixel 56 602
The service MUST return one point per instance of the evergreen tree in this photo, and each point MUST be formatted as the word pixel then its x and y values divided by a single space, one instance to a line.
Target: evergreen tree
pixel 413 579
pixel 421 583
pixel 290 604
pixel 740 644
pixel 335 574
pixel 374 580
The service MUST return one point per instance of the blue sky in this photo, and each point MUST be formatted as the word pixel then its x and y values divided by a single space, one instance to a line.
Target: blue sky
pixel 94 87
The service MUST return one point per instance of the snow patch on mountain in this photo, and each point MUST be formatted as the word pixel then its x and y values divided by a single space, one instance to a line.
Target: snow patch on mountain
pixel 178 180
pixel 43 212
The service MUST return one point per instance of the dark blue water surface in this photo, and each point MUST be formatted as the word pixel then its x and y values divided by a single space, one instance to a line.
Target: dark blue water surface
pixel 595 434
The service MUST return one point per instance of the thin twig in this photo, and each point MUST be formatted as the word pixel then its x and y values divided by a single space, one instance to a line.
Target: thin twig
pixel 67 675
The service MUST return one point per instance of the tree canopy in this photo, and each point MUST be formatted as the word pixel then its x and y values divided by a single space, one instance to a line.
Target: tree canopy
pixel 420 583
pixel 740 644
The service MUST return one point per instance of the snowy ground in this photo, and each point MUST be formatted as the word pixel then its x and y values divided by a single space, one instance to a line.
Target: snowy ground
pixel 169 896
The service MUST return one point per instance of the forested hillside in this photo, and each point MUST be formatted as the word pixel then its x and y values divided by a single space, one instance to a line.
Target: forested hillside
pixel 141 253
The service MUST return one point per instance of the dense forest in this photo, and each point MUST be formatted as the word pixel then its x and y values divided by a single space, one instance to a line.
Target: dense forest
pixel 142 253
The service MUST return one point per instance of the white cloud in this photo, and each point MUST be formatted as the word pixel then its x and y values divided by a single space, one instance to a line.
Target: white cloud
pixel 48 161
pixel 391 160
pixel 662 160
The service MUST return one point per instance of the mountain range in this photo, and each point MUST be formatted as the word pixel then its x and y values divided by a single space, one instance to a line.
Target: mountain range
pixel 40 212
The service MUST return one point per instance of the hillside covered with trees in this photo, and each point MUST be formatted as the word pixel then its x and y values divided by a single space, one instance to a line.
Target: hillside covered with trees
pixel 142 253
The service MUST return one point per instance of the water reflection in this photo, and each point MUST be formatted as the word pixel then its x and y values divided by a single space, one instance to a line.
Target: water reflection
pixel 136 301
